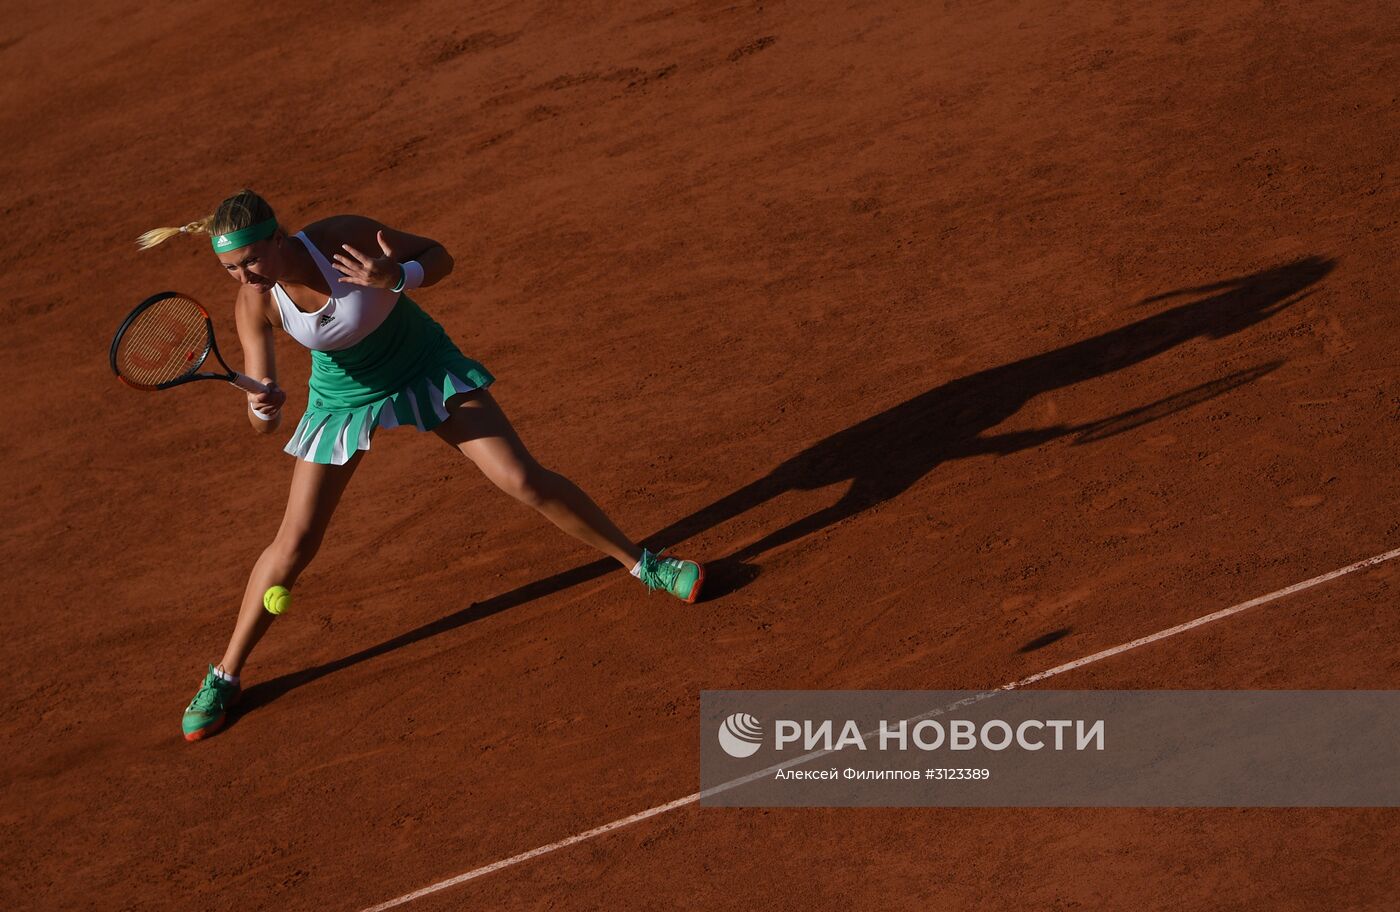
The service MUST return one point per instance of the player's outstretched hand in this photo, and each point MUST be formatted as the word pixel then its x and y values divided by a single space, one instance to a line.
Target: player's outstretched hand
pixel 369 271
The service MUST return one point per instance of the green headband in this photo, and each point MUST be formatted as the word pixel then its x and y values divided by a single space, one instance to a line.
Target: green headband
pixel 223 243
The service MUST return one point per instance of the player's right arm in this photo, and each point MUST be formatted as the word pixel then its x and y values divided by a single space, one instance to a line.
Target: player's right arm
pixel 259 357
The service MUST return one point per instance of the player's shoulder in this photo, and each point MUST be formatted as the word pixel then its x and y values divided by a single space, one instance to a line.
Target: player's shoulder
pixel 253 304
pixel 330 233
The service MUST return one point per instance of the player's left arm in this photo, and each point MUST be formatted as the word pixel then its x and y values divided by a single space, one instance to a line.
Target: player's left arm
pixel 371 253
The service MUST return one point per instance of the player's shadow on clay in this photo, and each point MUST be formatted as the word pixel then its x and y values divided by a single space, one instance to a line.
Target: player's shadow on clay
pixel 889 452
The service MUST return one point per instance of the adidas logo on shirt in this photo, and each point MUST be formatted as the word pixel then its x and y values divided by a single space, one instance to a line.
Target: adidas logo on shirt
pixel 325 319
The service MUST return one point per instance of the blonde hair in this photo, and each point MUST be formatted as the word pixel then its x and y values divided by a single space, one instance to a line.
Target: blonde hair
pixel 242 210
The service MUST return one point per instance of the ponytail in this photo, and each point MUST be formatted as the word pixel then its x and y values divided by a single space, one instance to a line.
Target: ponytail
pixel 239 211
pixel 161 235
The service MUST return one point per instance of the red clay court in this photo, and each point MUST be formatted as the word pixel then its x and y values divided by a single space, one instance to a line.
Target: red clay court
pixel 961 340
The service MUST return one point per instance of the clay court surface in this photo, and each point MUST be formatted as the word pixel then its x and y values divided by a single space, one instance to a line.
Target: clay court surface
pixel 961 340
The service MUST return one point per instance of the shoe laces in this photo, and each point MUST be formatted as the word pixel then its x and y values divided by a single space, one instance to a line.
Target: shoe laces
pixel 212 693
pixel 658 573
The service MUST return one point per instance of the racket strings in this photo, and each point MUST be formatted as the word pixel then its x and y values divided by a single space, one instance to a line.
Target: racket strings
pixel 164 342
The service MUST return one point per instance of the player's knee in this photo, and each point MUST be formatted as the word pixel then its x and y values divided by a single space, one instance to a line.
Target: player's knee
pixel 293 549
pixel 526 482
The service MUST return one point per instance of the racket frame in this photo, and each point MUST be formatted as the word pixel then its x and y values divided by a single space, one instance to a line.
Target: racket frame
pixel 242 381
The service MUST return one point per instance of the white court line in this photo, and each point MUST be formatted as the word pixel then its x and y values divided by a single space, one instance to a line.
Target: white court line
pixel 1023 682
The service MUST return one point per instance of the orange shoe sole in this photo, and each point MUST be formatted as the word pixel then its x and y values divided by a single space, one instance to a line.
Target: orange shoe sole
pixel 217 726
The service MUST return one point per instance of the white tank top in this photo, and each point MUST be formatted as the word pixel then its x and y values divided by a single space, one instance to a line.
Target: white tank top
pixel 351 313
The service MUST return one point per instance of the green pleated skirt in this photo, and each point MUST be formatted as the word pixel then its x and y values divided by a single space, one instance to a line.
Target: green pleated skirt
pixel 403 373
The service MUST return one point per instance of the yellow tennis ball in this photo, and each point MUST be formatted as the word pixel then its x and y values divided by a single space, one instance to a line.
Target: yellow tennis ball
pixel 277 600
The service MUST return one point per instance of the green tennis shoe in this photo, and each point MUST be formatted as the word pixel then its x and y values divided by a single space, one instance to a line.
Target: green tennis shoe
pixel 208 710
pixel 681 578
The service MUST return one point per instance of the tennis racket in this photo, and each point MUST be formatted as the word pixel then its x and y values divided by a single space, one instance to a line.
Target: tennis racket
pixel 165 341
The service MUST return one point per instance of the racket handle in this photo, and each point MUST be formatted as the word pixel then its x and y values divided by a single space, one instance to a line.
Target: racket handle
pixel 244 382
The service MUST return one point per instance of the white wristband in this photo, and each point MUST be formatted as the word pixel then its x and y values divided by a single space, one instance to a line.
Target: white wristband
pixel 412 275
pixel 269 416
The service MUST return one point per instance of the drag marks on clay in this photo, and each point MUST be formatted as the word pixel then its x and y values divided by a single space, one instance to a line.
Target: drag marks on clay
pixel 659 16
pixel 632 80
pixel 753 47
pixel 542 112
pixel 474 43
pixel 345 758
pixel 634 77
pixel 405 151
pixel 642 78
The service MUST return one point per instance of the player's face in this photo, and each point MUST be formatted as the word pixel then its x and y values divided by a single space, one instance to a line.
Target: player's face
pixel 260 264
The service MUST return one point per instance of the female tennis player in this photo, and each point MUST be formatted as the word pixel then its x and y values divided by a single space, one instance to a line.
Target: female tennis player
pixel 377 362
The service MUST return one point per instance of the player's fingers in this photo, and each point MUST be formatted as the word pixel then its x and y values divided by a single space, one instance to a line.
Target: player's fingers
pixel 352 278
pixel 383 244
pixel 364 260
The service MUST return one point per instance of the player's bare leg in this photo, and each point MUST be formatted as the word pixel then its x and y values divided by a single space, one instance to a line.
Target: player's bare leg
pixel 311 501
pixel 315 492
pixel 482 432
